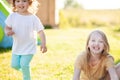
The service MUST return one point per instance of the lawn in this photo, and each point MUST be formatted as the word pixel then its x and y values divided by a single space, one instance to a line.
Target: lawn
pixel 58 62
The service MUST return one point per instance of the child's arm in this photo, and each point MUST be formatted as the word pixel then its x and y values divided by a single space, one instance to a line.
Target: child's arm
pixel 8 31
pixel 76 75
pixel 113 74
pixel 43 41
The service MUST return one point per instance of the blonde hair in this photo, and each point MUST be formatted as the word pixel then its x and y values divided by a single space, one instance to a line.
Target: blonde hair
pixel 33 6
pixel 105 41
pixel 87 51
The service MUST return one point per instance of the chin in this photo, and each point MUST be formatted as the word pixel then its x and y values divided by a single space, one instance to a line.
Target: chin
pixel 97 52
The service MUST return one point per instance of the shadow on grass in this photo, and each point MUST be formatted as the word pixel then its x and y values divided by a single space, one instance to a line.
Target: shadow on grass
pixel 2 50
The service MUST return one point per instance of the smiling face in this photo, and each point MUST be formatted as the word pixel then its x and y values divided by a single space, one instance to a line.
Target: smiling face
pixel 96 43
pixel 22 6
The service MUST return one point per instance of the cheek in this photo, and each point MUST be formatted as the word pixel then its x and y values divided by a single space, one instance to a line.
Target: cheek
pixel 102 46
pixel 89 44
pixel 27 4
pixel 16 4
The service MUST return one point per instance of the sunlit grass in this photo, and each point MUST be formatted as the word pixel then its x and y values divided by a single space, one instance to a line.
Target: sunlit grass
pixel 58 62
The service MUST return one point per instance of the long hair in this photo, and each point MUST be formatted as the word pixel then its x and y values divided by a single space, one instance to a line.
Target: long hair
pixel 33 6
pixel 104 54
pixel 105 41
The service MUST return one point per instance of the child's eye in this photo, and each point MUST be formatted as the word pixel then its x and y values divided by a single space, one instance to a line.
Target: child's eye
pixel 101 41
pixel 93 40
pixel 24 0
pixel 17 1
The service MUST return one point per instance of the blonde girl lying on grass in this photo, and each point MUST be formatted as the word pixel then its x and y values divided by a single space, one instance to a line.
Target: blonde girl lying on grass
pixel 95 63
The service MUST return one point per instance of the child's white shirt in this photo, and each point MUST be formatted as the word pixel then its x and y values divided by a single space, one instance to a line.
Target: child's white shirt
pixel 25 28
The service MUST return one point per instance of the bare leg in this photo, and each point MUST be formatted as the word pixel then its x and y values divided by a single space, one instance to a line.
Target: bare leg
pixel 118 69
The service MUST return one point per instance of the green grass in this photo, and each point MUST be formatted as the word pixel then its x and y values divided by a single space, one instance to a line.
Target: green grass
pixel 58 62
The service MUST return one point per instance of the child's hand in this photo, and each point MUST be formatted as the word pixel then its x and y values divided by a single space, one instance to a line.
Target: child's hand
pixel 9 31
pixel 43 49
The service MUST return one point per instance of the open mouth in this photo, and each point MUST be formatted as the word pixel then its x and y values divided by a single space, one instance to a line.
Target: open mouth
pixel 22 7
pixel 96 48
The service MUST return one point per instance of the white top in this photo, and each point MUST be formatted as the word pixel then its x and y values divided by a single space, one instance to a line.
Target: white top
pixel 25 28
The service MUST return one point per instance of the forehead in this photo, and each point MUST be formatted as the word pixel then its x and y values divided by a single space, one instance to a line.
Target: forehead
pixel 21 0
pixel 96 35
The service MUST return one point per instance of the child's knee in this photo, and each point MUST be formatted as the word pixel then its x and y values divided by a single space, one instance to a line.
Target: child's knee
pixel 24 66
pixel 17 67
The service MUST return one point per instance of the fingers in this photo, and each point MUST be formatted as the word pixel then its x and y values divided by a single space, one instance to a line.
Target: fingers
pixel 8 28
pixel 10 33
pixel 43 49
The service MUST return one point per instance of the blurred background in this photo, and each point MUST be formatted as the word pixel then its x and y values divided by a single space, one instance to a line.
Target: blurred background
pixel 67 24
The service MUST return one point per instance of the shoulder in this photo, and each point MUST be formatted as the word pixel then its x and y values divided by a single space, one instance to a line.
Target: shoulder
pixel 12 14
pixel 10 17
pixel 109 61
pixel 81 57
pixel 80 60
pixel 109 58
pixel 35 17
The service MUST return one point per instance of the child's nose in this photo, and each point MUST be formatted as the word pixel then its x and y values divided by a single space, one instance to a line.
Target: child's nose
pixel 21 2
pixel 96 43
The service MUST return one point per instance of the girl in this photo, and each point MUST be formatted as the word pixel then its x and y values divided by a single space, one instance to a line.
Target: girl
pixel 96 63
pixel 22 25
